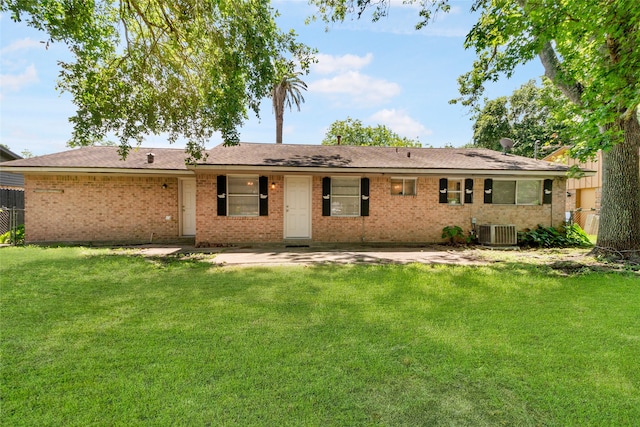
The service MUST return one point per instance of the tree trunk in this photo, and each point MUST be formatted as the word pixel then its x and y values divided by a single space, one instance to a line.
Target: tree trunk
pixel 279 123
pixel 619 230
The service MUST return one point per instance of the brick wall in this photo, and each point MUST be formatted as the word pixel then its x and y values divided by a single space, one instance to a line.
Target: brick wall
pixel 417 218
pixel 73 208
pixel 100 209
pixel 215 229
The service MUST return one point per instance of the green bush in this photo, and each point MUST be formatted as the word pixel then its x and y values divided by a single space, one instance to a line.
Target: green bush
pixel 8 237
pixel 455 235
pixel 570 236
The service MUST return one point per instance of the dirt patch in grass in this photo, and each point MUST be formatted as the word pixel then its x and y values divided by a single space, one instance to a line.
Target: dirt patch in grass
pixel 565 261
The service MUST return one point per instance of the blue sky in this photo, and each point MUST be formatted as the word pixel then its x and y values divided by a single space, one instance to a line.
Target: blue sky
pixel 380 73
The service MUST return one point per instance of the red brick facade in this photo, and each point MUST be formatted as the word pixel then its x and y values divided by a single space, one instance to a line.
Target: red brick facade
pixel 132 209
pixel 85 208
pixel 418 218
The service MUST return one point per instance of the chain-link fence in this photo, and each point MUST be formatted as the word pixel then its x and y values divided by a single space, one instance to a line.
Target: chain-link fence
pixel 587 219
pixel 11 220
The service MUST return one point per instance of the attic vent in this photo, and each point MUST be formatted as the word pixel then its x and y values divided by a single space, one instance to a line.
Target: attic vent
pixel 498 235
pixel 150 157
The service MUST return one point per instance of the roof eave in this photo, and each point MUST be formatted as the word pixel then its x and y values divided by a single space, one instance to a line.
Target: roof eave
pixel 384 171
pixel 88 170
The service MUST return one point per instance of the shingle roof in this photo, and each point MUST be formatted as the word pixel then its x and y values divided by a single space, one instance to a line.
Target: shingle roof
pixel 283 156
pixel 357 157
pixel 100 157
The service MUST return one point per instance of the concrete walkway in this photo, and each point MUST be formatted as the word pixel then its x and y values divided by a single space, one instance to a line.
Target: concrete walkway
pixel 307 256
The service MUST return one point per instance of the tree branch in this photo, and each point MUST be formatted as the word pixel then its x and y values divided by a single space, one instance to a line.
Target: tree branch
pixel 552 70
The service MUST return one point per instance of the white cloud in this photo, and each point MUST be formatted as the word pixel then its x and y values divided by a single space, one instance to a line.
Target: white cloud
pixel 329 64
pixel 16 82
pixel 401 123
pixel 403 3
pixel 360 88
pixel 21 44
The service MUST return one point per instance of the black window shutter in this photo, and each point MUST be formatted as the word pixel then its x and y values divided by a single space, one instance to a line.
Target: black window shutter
pixel 468 190
pixel 444 185
pixel 264 195
pixel 326 196
pixel 364 197
pixel 488 190
pixel 547 196
pixel 222 195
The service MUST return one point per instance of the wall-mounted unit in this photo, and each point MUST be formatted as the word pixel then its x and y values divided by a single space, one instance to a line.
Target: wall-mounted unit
pixel 498 235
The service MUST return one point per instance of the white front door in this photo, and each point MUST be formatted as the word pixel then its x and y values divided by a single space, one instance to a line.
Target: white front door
pixel 297 201
pixel 188 207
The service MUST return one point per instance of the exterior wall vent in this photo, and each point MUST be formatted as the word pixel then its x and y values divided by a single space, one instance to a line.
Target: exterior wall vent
pixel 498 235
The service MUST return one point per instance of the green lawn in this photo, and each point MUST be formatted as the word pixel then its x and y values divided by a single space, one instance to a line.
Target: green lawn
pixel 89 337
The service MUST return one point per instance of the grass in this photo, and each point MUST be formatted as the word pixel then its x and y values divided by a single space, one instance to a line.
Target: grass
pixel 89 337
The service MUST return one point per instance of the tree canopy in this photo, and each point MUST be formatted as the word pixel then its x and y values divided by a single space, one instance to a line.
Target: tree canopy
pixel 186 68
pixel 353 132
pixel 589 51
pixel 530 114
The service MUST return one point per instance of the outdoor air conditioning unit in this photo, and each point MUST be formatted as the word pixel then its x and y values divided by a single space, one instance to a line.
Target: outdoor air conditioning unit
pixel 498 235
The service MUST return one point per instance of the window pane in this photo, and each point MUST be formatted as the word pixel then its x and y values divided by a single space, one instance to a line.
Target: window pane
pixel 396 187
pixel 504 192
pixel 409 187
pixel 345 186
pixel 453 198
pixel 454 192
pixel 529 192
pixel 454 185
pixel 243 196
pixel 244 206
pixel 243 185
pixel 403 187
pixel 345 206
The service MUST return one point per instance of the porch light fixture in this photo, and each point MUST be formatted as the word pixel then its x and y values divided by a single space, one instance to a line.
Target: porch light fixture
pixel 273 185
pixel 164 186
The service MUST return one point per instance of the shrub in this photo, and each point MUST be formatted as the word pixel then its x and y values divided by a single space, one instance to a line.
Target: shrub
pixel 455 234
pixel 8 237
pixel 550 237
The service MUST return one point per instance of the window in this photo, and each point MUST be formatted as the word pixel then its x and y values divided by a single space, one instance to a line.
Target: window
pixel 244 195
pixel 520 192
pixel 345 197
pixel 454 192
pixel 403 186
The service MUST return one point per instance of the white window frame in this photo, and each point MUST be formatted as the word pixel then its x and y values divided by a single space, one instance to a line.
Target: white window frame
pixel 460 192
pixel 334 198
pixel 234 196
pixel 403 184
pixel 517 181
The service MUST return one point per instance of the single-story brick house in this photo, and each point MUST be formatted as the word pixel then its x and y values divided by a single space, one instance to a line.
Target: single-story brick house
pixel 289 194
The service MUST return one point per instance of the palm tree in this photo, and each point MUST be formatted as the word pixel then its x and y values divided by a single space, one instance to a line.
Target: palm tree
pixel 287 92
